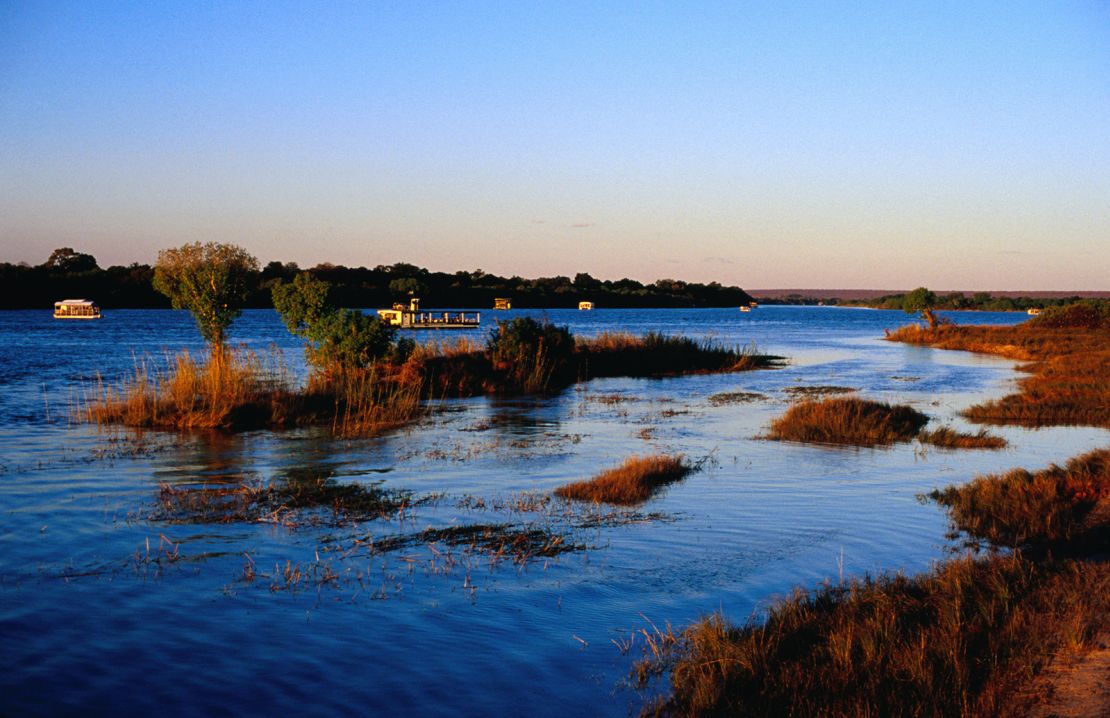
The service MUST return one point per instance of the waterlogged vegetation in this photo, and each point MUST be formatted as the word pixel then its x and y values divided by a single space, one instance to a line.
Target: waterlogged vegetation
pixel 632 483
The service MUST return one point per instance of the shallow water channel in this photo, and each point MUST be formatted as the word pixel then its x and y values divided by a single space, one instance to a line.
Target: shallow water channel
pixel 108 606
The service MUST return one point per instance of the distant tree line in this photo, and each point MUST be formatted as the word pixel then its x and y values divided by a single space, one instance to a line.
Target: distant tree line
pixel 980 301
pixel 71 274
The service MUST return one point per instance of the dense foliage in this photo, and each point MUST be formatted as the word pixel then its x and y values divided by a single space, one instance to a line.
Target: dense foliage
pixel 342 338
pixel 210 280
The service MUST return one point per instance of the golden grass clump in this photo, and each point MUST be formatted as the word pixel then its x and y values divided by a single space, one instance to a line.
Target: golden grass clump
pixel 957 641
pixel 948 438
pixel 848 421
pixel 655 354
pixel 1069 382
pixel 226 389
pixel 1066 507
pixel 633 482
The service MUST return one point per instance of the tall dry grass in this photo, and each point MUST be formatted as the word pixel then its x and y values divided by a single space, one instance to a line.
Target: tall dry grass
pixel 958 641
pixel 633 482
pixel 948 438
pixel 848 421
pixel 223 390
pixel 240 390
pixel 1069 366
pixel 1062 507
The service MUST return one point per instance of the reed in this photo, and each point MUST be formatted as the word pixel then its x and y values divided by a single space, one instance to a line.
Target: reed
pixel 957 641
pixel 633 482
pixel 848 421
pixel 655 354
pixel 948 438
pixel 1065 508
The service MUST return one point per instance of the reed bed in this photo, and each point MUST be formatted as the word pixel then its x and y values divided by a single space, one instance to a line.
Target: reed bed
pixel 948 438
pixel 848 421
pixel 1065 508
pixel 633 482
pixel 958 641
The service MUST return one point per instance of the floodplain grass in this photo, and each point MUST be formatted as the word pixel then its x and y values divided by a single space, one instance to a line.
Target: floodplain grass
pixel 655 354
pixel 1063 508
pixel 1069 367
pixel 633 482
pixel 960 640
pixel 946 437
pixel 858 422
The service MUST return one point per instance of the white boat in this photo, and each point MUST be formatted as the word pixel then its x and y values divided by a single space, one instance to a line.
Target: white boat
pixel 76 309
pixel 411 317
pixel 585 306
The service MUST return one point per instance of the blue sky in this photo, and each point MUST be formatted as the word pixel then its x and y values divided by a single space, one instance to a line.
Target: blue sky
pixel 956 145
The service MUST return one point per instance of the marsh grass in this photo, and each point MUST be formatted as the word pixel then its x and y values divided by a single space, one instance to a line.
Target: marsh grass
pixel 948 438
pixel 725 398
pixel 1069 383
pixel 497 542
pixel 1066 508
pixel 237 390
pixel 633 482
pixel 848 421
pixel 655 354
pixel 958 640
pixel 811 392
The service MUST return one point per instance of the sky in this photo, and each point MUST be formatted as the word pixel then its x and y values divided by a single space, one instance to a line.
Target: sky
pixel 956 145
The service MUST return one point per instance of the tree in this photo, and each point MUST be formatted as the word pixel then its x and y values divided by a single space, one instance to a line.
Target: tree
pixel 407 286
pixel 211 280
pixel 342 338
pixel 922 301
pixel 66 261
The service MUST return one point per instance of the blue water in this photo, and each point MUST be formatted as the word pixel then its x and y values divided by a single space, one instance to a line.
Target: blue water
pixel 104 609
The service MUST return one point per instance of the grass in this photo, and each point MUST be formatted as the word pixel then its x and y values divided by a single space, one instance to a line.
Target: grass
pixel 654 354
pixel 848 421
pixel 1069 366
pixel 948 438
pixel 633 482
pixel 809 392
pixel 239 390
pixel 957 641
pixel 725 398
pixel 1065 508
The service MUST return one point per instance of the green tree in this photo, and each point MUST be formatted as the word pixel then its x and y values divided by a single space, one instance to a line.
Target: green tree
pixel 66 261
pixel 342 338
pixel 407 286
pixel 922 301
pixel 211 280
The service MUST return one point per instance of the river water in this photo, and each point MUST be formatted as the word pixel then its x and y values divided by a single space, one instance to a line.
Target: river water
pixel 106 608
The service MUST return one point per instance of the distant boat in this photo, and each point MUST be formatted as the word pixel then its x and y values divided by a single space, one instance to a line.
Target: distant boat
pixel 753 305
pixel 502 303
pixel 745 309
pixel 76 309
pixel 585 306
pixel 411 317
pixel 1033 312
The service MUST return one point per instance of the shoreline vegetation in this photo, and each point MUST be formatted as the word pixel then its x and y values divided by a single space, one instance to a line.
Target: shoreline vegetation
pixel 968 637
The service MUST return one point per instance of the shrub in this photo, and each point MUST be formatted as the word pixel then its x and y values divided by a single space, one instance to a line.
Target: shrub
pixel 342 338
pixel 532 356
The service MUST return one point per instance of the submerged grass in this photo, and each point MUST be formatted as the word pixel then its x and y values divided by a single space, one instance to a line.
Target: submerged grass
pixel 1066 508
pixel 633 482
pixel 848 421
pixel 955 641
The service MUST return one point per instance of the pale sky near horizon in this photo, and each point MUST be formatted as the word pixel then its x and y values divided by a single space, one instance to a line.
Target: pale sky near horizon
pixel 949 144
